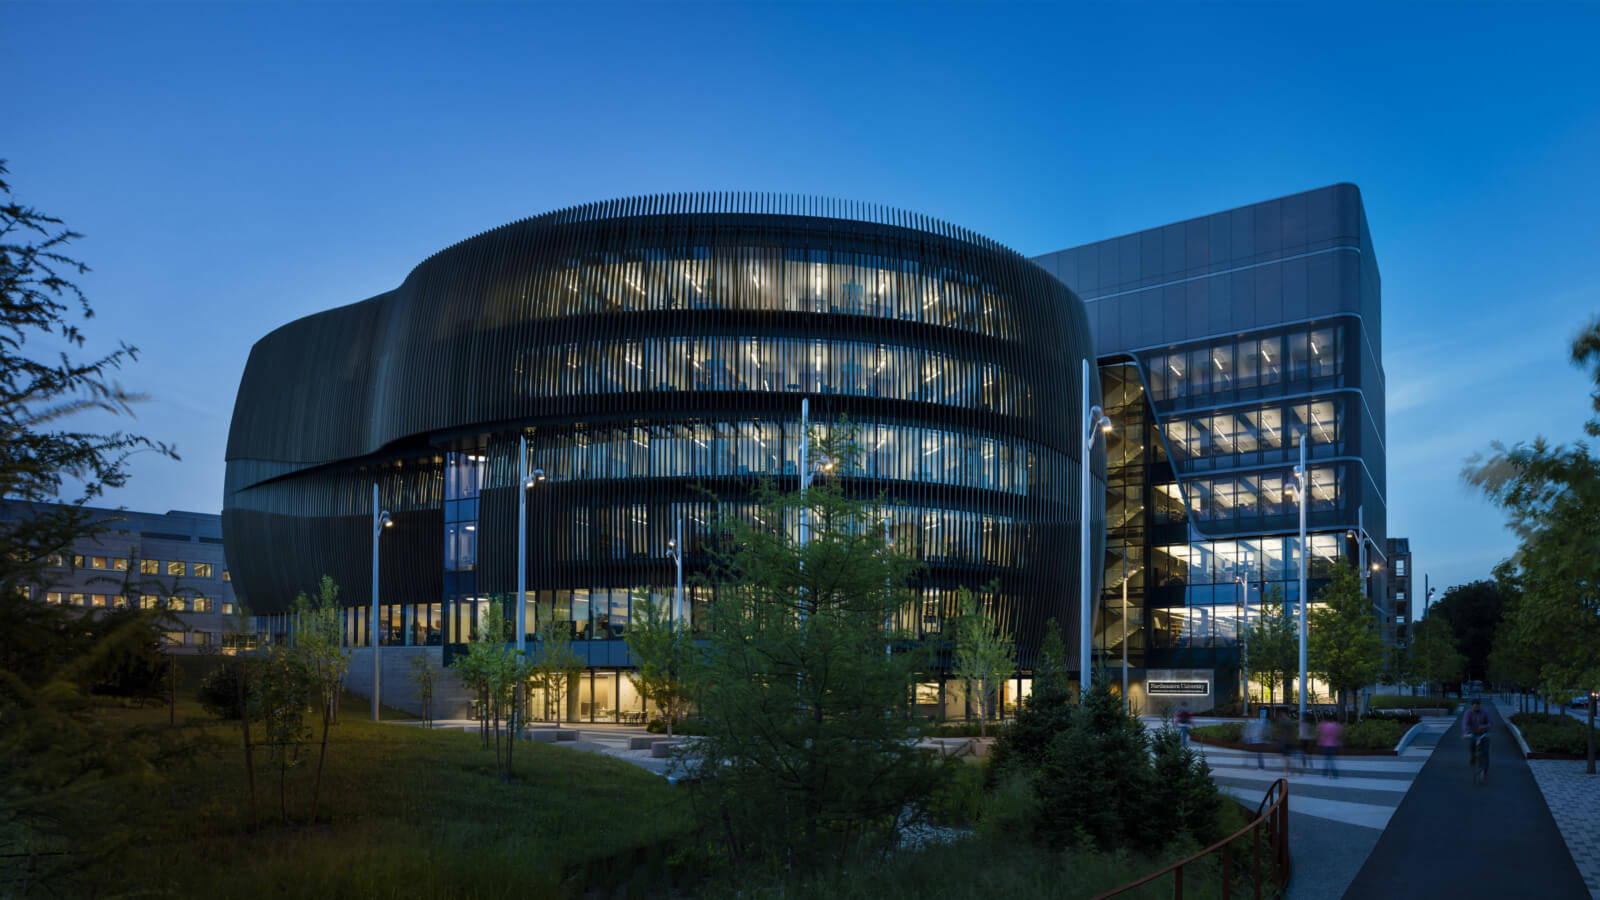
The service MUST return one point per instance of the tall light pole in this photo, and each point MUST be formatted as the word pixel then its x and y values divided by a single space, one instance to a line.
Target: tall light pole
pixel 380 521
pixel 1302 478
pixel 675 553
pixel 525 482
pixel 1094 423
pixel 1244 640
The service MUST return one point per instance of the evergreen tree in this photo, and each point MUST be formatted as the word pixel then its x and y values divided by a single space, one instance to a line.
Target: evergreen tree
pixel 1095 781
pixel 802 691
pixel 1045 714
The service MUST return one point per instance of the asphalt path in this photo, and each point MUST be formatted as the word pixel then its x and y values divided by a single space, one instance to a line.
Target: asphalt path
pixel 1452 839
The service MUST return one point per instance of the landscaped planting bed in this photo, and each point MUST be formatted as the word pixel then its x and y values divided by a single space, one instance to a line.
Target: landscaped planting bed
pixel 1368 737
pixel 1552 737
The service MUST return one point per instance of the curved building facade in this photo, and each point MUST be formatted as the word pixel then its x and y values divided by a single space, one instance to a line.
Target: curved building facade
pixel 649 350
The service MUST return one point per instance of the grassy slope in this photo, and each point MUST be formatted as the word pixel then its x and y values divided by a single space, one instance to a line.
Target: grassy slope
pixel 405 812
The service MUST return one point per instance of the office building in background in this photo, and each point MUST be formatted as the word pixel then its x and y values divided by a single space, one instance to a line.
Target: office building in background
pixel 171 560
pixel 1223 340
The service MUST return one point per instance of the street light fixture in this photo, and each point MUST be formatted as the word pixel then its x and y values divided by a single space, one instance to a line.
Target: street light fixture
pixel 526 481
pixel 380 521
pixel 1095 423
pixel 1300 479
pixel 675 553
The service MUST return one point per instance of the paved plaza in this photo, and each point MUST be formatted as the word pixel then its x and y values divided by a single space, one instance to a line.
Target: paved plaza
pixel 1333 822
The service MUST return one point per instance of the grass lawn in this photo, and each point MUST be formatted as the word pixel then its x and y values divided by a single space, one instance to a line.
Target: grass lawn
pixel 405 812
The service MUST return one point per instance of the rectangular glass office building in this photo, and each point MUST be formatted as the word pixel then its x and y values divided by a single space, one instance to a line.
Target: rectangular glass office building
pixel 1223 340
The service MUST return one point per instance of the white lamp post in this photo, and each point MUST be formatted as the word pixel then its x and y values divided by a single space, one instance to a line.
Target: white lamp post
pixel 525 482
pixel 1094 423
pixel 380 521
pixel 675 553
pixel 1301 478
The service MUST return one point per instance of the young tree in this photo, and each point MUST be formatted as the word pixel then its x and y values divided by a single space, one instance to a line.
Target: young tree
pixel 493 668
pixel 1397 667
pixel 1274 646
pixel 662 651
pixel 423 676
pixel 1345 647
pixel 319 646
pixel 283 694
pixel 985 656
pixel 554 667
pixel 805 759
pixel 1434 659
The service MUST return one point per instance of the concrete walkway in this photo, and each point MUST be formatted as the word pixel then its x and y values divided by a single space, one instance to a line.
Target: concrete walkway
pixel 1451 839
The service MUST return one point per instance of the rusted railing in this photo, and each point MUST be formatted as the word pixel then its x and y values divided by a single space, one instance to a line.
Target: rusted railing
pixel 1269 865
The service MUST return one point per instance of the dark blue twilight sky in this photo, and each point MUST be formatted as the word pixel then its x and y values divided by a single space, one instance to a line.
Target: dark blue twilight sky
pixel 235 167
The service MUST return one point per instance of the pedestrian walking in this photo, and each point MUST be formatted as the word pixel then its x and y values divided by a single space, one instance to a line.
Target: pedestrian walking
pixel 1330 735
pixel 1256 736
pixel 1183 722
pixel 1283 735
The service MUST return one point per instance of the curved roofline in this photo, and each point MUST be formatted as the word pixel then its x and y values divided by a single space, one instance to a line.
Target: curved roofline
pixel 761 203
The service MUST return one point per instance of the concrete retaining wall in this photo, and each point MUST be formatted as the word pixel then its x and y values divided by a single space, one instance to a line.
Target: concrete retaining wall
pixel 450 698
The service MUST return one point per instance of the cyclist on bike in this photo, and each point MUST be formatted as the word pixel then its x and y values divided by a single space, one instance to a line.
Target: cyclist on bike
pixel 1475 725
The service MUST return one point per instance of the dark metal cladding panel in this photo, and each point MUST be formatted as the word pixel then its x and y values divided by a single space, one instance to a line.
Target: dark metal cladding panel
pixel 546 327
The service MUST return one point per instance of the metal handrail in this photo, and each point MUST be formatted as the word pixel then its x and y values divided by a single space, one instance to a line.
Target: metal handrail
pixel 1272 815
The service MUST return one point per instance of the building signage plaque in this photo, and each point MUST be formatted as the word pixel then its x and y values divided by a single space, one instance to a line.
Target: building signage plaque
pixel 1178 688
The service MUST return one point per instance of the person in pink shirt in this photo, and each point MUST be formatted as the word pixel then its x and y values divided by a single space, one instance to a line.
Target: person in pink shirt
pixel 1329 733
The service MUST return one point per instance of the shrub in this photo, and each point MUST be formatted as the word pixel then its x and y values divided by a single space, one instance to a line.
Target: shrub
pixel 680 728
pixel 1374 734
pixel 1407 719
pixel 961 729
pixel 1010 808
pixel 1226 731
pixel 1552 734
pixel 957 798
pixel 219 691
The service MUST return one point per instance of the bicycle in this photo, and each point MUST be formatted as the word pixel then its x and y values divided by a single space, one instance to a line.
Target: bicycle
pixel 1480 754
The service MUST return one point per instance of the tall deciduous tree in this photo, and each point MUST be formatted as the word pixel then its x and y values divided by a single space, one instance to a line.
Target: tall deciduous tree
pixel 1434 658
pixel 1345 646
pixel 985 656
pixel 1551 496
pixel 803 690
pixel 55 763
pixel 1473 611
